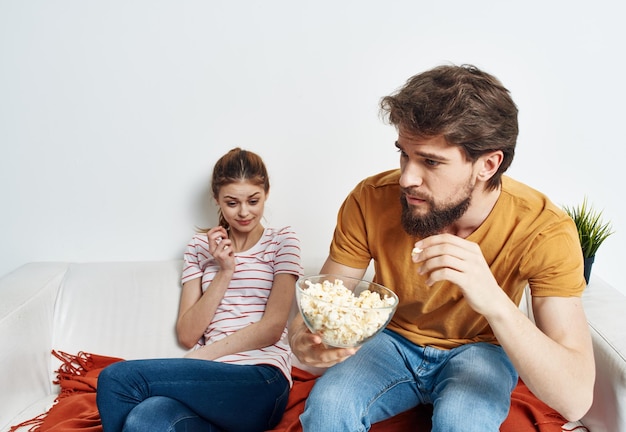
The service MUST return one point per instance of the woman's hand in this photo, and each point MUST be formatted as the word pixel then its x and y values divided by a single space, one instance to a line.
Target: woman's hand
pixel 202 353
pixel 220 246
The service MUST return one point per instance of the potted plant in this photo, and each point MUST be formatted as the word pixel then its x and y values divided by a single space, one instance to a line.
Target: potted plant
pixel 592 231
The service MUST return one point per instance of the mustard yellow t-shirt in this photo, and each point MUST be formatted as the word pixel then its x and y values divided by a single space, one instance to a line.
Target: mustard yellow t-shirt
pixel 526 239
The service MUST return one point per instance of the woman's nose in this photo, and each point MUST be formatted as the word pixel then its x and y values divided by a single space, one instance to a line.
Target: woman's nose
pixel 243 210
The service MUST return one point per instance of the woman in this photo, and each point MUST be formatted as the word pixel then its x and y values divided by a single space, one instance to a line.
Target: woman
pixel 238 286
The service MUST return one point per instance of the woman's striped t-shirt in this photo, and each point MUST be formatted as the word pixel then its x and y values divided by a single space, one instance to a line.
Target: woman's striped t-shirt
pixel 278 251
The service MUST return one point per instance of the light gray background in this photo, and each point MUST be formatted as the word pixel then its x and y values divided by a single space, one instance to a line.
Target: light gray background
pixel 112 113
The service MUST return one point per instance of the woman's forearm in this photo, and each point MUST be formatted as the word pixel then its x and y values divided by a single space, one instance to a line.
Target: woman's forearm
pixel 254 336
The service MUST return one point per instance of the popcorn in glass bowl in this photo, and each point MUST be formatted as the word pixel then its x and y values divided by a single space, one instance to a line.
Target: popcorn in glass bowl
pixel 346 312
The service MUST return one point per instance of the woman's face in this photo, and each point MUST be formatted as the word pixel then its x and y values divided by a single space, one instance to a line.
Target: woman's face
pixel 242 205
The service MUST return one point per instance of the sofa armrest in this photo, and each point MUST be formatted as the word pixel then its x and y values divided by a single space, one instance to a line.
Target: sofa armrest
pixel 606 313
pixel 26 313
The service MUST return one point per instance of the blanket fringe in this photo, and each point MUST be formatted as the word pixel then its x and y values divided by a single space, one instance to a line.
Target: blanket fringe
pixel 34 423
pixel 74 364
pixel 71 365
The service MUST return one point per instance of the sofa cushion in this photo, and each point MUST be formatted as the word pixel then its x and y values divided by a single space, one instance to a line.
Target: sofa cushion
pixel 126 309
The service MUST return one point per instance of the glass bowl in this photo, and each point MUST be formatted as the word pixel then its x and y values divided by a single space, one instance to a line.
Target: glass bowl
pixel 346 312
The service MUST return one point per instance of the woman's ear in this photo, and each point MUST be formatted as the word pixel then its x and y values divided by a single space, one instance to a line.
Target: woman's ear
pixel 489 164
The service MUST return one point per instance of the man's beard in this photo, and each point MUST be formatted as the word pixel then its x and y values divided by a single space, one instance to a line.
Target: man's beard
pixel 437 219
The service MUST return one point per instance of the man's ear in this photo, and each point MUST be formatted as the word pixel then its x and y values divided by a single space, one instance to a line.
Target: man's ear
pixel 488 165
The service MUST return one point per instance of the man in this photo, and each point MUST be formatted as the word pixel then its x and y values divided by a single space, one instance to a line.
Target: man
pixel 458 340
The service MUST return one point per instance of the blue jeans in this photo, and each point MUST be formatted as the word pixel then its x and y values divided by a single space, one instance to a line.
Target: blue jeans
pixel 164 395
pixel 469 387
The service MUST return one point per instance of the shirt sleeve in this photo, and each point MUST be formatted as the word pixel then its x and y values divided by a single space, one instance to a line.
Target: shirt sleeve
pixel 349 245
pixel 555 262
pixel 288 259
pixel 196 252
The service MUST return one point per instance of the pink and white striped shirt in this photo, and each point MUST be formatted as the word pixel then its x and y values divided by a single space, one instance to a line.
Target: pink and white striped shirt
pixel 278 251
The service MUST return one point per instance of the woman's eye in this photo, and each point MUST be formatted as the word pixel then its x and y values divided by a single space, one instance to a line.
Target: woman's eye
pixel 253 202
pixel 231 203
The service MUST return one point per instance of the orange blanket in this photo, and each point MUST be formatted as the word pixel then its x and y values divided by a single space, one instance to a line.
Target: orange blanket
pixel 75 407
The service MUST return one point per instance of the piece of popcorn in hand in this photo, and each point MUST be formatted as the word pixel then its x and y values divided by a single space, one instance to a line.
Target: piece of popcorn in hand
pixel 416 251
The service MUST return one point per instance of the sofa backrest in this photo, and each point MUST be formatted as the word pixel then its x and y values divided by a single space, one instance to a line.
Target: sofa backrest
pixel 125 309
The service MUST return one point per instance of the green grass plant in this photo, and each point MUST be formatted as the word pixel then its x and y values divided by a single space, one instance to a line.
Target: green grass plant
pixel 592 230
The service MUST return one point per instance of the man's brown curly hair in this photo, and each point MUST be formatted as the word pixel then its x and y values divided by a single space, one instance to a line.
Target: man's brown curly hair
pixel 469 107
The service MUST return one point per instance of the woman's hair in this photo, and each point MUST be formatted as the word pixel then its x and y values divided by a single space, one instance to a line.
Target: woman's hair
pixel 235 166
pixel 469 107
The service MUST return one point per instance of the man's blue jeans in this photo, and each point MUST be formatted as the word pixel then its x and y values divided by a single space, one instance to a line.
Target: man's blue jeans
pixel 469 387
pixel 164 395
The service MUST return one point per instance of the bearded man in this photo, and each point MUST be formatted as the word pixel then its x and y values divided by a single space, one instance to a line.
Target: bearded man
pixel 458 340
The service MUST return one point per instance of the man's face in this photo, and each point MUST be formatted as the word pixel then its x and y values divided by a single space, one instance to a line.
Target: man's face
pixel 437 182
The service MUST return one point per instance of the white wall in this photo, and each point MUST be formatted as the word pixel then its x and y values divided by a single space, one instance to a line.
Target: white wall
pixel 112 113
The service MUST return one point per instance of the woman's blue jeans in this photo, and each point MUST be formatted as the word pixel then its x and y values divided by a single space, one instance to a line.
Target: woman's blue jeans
pixel 164 395
pixel 469 387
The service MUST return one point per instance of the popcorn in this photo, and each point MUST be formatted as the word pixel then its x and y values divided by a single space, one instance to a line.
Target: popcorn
pixel 340 317
pixel 416 251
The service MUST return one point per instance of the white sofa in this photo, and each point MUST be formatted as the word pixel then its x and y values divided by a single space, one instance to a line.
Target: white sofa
pixel 128 310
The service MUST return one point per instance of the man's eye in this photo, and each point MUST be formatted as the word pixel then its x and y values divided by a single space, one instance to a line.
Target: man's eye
pixel 431 162
pixel 402 153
